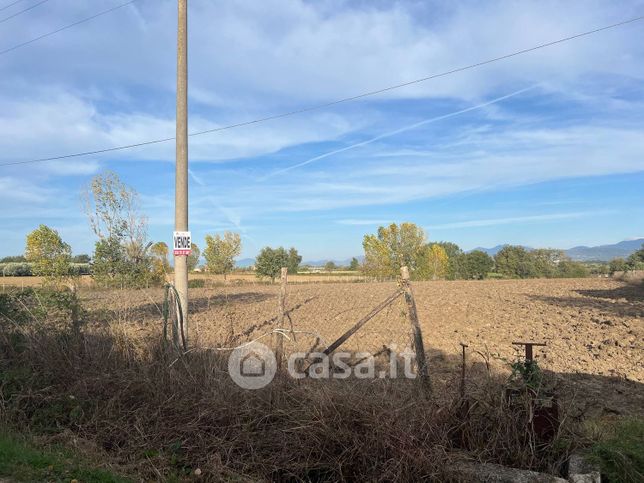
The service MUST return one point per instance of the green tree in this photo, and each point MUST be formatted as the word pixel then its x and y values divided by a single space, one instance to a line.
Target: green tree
pixel 294 260
pixel 270 261
pixel 393 247
pixel 636 260
pixel 476 265
pixel 193 258
pixel 14 259
pixel 221 251
pixel 112 267
pixel 354 265
pixel 109 267
pixel 617 265
pixel 514 262
pixel 330 266
pixel 84 258
pixel 546 261
pixel 49 255
pixel 569 269
pixel 454 260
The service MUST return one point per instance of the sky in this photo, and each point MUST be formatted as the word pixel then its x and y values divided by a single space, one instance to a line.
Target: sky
pixel 545 149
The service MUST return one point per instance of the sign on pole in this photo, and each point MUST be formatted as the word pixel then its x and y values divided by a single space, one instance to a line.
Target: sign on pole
pixel 182 242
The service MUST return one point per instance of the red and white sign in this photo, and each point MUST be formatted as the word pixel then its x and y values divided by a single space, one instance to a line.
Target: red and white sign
pixel 182 242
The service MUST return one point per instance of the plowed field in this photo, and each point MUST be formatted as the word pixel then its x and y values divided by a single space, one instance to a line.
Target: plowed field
pixel 593 328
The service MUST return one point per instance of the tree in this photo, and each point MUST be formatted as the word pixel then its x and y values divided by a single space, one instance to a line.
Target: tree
pixel 220 252
pixel 160 264
pixel 393 247
pixel 636 260
pixel 330 266
pixel 14 259
pixel 569 269
pixel 432 263
pixel 617 265
pixel 476 264
pixel 354 265
pixel 112 208
pixel 49 255
pixel 454 260
pixel 193 258
pixel 112 266
pixel 515 262
pixel 84 258
pixel 109 267
pixel 294 260
pixel 546 261
pixel 270 261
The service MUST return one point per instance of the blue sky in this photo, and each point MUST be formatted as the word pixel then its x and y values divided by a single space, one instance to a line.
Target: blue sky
pixel 560 162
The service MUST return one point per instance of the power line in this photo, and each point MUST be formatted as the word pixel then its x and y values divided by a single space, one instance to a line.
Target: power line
pixel 48 34
pixel 332 103
pixel 10 5
pixel 22 11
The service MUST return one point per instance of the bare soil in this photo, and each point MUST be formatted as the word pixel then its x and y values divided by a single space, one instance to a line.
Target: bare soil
pixel 593 328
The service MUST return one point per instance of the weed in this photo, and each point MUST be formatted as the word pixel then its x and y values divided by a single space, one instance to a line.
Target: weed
pixel 619 451
pixel 20 460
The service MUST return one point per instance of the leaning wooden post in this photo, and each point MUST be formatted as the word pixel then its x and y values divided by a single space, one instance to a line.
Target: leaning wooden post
pixel 421 361
pixel 281 317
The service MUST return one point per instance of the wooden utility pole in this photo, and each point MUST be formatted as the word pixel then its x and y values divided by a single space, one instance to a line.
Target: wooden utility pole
pixel 421 361
pixel 181 175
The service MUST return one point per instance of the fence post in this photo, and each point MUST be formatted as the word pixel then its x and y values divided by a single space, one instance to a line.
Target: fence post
pixel 281 316
pixel 421 361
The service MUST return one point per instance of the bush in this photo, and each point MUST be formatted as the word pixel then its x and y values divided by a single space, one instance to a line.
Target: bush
pixel 495 275
pixel 14 269
pixel 569 269
pixel 80 269
pixel 196 283
pixel 55 307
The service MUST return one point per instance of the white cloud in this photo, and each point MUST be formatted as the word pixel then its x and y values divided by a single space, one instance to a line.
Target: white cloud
pixel 518 220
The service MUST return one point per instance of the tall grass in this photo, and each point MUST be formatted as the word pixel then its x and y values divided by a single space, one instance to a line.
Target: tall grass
pixel 159 414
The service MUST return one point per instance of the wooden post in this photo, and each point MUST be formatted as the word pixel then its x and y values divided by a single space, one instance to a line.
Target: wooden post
pixel 464 346
pixel 421 361
pixel 281 317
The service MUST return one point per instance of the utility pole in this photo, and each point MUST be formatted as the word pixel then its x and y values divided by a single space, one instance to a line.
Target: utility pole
pixel 181 175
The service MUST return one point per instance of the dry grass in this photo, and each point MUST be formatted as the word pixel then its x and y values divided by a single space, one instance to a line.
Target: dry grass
pixel 157 415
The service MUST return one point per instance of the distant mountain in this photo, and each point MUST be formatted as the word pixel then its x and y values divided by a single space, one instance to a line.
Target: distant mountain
pixel 605 252
pixel 339 263
pixel 491 251
pixel 245 262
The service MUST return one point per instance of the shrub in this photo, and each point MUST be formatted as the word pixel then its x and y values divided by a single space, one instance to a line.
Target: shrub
pixel 80 269
pixel 15 269
pixel 196 283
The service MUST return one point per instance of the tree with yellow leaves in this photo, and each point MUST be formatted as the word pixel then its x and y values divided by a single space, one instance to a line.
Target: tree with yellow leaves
pixel 49 255
pixel 433 263
pixel 392 247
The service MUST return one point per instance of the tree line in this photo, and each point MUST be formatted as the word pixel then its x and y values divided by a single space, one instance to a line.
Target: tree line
pixel 394 246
